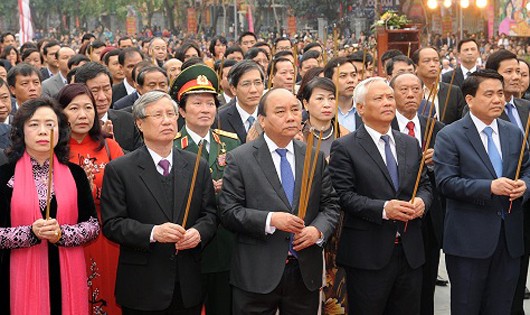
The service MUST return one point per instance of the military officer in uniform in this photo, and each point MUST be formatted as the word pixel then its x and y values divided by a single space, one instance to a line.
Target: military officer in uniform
pixel 195 90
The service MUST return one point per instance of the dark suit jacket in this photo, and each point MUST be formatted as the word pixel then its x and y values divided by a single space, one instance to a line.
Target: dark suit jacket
pixel 126 101
pixel 118 92
pixel 436 213
pixel 523 107
pixel 125 131
pixel 5 131
pixel 52 86
pixel 464 174
pixel 363 183
pixel 44 73
pixel 455 105
pixel 131 204
pixel 228 119
pixel 252 189
pixel 458 80
pixel 3 157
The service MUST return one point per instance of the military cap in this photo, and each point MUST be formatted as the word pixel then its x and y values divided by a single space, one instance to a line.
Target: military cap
pixel 198 78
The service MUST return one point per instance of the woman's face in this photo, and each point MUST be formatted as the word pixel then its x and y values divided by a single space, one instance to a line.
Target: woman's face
pixel 262 60
pixel 34 59
pixel 525 79
pixel 12 57
pixel 190 53
pixel 81 115
pixel 321 105
pixel 37 131
pixel 219 49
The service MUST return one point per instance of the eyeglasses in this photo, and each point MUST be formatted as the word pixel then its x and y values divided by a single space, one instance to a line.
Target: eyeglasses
pixel 160 116
pixel 247 84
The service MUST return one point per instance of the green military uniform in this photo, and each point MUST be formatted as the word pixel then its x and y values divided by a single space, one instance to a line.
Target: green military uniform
pixel 216 257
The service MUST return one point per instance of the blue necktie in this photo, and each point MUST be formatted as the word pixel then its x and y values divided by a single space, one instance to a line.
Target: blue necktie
pixel 251 121
pixel 509 111
pixel 493 152
pixel 391 163
pixel 288 186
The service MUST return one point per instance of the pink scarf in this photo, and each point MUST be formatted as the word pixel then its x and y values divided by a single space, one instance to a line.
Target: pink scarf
pixel 29 283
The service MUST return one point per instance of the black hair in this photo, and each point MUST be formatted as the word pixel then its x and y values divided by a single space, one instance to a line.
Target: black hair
pixel 124 38
pixel 312 45
pixel 70 75
pixel 272 65
pixel 76 60
pixel 89 71
pixel 2 82
pixel 128 52
pixel 139 67
pixel 309 75
pixel 28 51
pixel 359 55
pixel 495 59
pixel 416 55
pixel 472 82
pixel 22 69
pixel 330 67
pixel 4 35
pixel 254 51
pixel 282 54
pixel 246 34
pixel 311 54
pixel 27 45
pixel 466 40
pixel 318 82
pixel 112 53
pixel 88 36
pixel 213 42
pixel 240 68
pixel 262 44
pixel 181 52
pixel 399 58
pixel 389 54
pixel 140 78
pixel 23 114
pixel 190 62
pixel 7 50
pixel 49 45
pixel 227 63
pixel 279 39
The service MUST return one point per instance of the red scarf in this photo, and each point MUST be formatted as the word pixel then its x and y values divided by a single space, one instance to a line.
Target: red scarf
pixel 29 279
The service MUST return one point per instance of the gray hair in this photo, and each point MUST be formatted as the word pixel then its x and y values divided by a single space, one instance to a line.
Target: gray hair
pixel 147 99
pixel 359 94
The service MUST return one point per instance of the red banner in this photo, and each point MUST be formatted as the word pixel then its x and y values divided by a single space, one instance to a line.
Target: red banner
pixel 192 21
pixel 291 25
pixel 130 25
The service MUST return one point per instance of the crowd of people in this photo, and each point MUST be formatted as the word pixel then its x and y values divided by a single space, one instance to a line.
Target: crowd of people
pixel 252 176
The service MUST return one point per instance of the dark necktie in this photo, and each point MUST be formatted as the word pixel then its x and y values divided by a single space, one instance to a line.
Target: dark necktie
pixel 391 163
pixel 164 164
pixel 410 127
pixel 288 187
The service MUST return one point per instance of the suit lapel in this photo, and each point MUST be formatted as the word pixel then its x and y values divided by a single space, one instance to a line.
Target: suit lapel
pixel 522 109
pixel 235 121
pixel 401 153
pixel 299 156
pixel 264 159
pixel 474 138
pixel 149 176
pixel 507 146
pixel 369 146
pixel 214 150
pixel 181 184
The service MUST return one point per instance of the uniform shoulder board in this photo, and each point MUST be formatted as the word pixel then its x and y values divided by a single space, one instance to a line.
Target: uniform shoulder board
pixel 178 135
pixel 226 134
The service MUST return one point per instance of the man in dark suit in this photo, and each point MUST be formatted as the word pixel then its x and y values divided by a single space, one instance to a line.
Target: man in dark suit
pixel 246 83
pixel 277 261
pixel 468 52
pixel 128 59
pixel 117 123
pixel 143 205
pixel 149 78
pixel 408 93
pixel 475 161
pixel 374 172
pixel 516 111
pixel 3 157
pixel 427 63
pixel 5 117
pixel 226 96
pixel 49 52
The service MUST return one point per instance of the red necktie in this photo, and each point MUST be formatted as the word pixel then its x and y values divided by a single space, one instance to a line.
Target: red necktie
pixel 410 127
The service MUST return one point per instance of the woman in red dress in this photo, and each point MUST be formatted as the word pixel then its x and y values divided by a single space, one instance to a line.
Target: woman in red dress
pixel 92 150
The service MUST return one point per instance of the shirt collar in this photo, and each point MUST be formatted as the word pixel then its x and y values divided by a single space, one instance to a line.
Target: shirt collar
pixel 129 88
pixel 464 70
pixel 157 158
pixel 273 146
pixel 403 121
pixel 196 138
pixel 352 108
pixel 480 125
pixel 105 117
pixel 376 135
pixel 63 78
pixel 243 114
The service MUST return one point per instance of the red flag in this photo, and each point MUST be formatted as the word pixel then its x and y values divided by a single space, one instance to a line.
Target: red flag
pixel 250 19
pixel 26 29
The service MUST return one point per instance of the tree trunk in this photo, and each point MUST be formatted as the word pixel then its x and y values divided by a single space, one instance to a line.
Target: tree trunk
pixel 169 8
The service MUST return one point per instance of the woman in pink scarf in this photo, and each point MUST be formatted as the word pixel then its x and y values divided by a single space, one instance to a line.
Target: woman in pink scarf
pixel 42 266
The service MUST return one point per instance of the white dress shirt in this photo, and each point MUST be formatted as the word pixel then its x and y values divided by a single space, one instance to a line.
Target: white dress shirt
pixel 129 88
pixel 244 116
pixel 403 121
pixel 480 125
pixel 196 138
pixel 156 159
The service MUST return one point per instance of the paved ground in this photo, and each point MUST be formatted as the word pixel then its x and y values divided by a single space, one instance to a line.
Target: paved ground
pixel 442 295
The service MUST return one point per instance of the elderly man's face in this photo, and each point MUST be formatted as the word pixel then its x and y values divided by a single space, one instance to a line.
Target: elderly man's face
pixel 5 102
pixel 408 93
pixel 379 106
pixel 283 116
pixel 160 124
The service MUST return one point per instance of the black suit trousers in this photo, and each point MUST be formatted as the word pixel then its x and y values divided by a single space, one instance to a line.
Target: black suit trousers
pixel 395 289
pixel 290 297
pixel 430 269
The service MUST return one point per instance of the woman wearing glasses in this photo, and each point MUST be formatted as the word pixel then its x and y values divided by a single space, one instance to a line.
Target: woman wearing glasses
pixel 92 150
pixel 42 265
